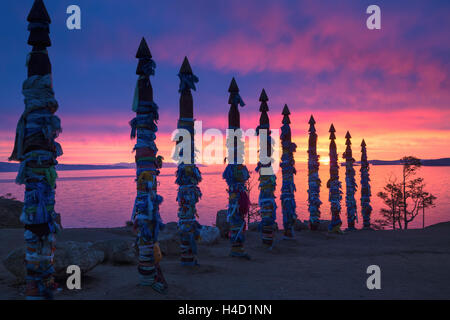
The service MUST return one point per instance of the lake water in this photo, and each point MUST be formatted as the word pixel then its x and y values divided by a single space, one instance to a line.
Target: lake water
pixel 104 198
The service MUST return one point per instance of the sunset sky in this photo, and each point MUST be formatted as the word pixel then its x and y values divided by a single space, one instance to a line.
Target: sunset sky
pixel 389 86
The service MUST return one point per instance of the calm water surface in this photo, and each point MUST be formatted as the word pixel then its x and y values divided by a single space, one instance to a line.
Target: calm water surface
pixel 104 198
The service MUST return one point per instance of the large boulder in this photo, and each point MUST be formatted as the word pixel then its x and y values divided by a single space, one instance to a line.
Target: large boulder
pixel 171 227
pixel 222 223
pixel 323 225
pixel 299 225
pixel 169 240
pixel 253 226
pixel 209 235
pixel 117 251
pixel 67 253
pixel 15 263
pixel 256 226
pixel 10 210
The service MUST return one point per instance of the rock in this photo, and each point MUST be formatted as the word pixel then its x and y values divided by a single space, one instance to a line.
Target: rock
pixel 209 235
pixel 117 251
pixel 129 224
pixel 10 211
pixel 169 240
pixel 253 226
pixel 81 254
pixel 67 253
pixel 15 263
pixel 299 225
pixel 222 223
pixel 171 226
pixel 323 225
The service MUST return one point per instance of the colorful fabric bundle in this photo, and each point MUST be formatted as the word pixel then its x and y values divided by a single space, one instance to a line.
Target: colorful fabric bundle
pixel 350 184
pixel 335 193
pixel 287 164
pixel 313 178
pixel 145 217
pixel 36 149
pixel 267 178
pixel 236 176
pixel 267 205
pixel 188 175
pixel 366 208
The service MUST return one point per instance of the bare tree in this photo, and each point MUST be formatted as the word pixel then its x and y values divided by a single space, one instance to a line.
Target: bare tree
pixel 405 199
pixel 392 197
pixel 410 165
pixel 426 200
pixel 253 213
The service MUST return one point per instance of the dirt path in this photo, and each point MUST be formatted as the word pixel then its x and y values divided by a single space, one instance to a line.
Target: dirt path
pixel 415 264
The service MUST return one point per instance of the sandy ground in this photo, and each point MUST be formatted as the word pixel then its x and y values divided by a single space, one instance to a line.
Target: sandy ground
pixel 415 264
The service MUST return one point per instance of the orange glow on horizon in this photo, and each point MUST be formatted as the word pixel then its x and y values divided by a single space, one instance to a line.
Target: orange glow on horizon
pixel 380 146
pixel 389 136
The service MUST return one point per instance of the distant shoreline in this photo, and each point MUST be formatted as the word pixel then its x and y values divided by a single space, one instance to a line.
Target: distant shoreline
pixel 442 162
pixel 14 167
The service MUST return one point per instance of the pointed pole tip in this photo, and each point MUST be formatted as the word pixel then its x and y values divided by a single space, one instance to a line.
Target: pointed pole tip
pixel 186 66
pixel 143 50
pixel 38 13
pixel 263 96
pixel 286 110
pixel 233 86
pixel 332 129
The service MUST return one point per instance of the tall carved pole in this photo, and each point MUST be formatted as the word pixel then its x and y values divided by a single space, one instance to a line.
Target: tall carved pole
pixel 335 193
pixel 288 171
pixel 36 149
pixel 366 208
pixel 146 218
pixel 236 176
pixel 350 184
pixel 267 178
pixel 313 177
pixel 188 175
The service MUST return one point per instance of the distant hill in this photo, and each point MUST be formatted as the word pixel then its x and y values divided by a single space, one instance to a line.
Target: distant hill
pixel 436 162
pixel 14 166
pixel 133 165
pixel 443 162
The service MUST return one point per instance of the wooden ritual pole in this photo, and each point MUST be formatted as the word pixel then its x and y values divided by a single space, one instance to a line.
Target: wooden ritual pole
pixel 350 184
pixel 36 149
pixel 366 208
pixel 236 176
pixel 335 192
pixel 288 171
pixel 267 178
pixel 313 178
pixel 188 175
pixel 146 218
